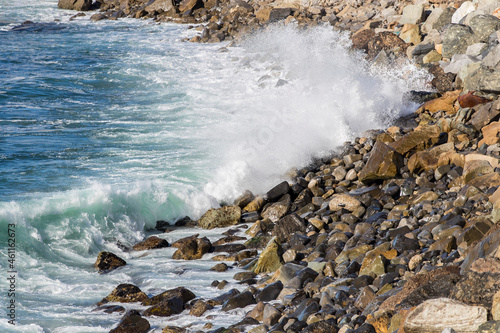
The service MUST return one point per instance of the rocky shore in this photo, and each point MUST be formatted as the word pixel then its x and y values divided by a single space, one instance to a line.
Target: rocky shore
pixel 398 231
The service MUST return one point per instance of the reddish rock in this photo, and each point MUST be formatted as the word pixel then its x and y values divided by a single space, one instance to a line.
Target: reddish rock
pixel 469 100
pixel 385 40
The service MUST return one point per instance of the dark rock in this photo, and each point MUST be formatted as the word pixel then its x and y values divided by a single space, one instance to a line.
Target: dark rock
pixel 199 308
pixel 442 81
pixel 151 243
pixel 287 226
pixel 323 326
pixel 422 49
pixel 484 115
pixel 193 249
pixel 184 294
pixel 278 14
pixel 81 5
pixel 456 38
pixel 219 300
pixel 110 308
pixel 270 292
pixel 238 301
pixel 125 293
pixel 489 327
pixel 98 17
pixel 304 198
pixel 107 261
pixel 483 26
pixel 402 244
pixel 229 248
pixel 444 19
pixel 132 322
pixel 166 308
pixel 220 267
pixel 384 163
pixel 365 328
pixel 225 240
pixel 361 39
pixel 244 276
pixel 278 191
pixel 181 242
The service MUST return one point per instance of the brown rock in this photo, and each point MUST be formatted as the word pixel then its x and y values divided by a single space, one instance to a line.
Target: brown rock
pixel 442 81
pixel 81 5
pixel 159 6
pixel 361 39
pixel 199 308
pixel 220 267
pixel 125 293
pixel 429 159
pixel 193 249
pixel 490 134
pixel 151 243
pixel 186 5
pixel 132 322
pixel 222 217
pixel 166 308
pixel 107 261
pixel 184 294
pixel 385 41
pixel 384 163
pixel 469 100
pixel 344 201
pixel 417 140
pixel 445 103
pixel 181 242
pixel 484 115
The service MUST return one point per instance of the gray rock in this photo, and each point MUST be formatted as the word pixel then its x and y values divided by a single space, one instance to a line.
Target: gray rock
pixel 432 19
pixel 492 59
pixel 238 301
pixel 82 5
pixel 475 50
pixel 278 191
pixel 278 209
pixel 483 26
pixel 270 292
pixel 412 14
pixel 444 19
pixel 466 8
pixel 483 79
pixel 458 61
pixel 456 40
pixel 287 226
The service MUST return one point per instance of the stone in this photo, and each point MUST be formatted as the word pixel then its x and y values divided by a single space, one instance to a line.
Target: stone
pixel 361 39
pixel 434 315
pixel 244 199
pixel 80 5
pixel 462 11
pixel 384 163
pixel 442 81
pixel 412 14
pixel 193 249
pixel 270 315
pixel 278 209
pixel 483 79
pixel 483 26
pixel 278 191
pixel 173 329
pixel 132 322
pixel 199 308
pixel 166 307
pixel 270 292
pixel 222 217
pixel 287 226
pixel 489 327
pixel 254 205
pixel 270 258
pixel 278 14
pixel 385 41
pixel 476 168
pixel 343 201
pixel 432 56
pixel 470 100
pixel 159 6
pixel 444 103
pixel 417 140
pixel 125 293
pixel 456 39
pixel 429 159
pixel 480 283
pixel 458 62
pixel 411 34
pixel 444 19
pixel 107 261
pixel 151 243
pixel 186 5
pixel 352 253
pixel 240 300
pixel 495 306
pixel 432 19
pixel 365 297
pixel 184 294
pixel 220 267
pixel 492 59
pixel 373 264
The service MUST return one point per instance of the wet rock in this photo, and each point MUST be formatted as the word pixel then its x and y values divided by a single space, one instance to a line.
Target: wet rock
pixel 278 191
pixel 278 209
pixel 107 261
pixel 270 292
pixel 173 329
pixel 361 39
pixel 437 314
pixel 384 163
pixel 132 322
pixel 417 140
pixel 151 243
pixel 270 315
pixel 110 308
pixel 220 267
pixel 278 14
pixel 402 244
pixel 222 217
pixel 166 307
pixel 287 226
pixel 192 249
pixel 199 308
pixel 323 326
pixel 184 294
pixel 219 300
pixel 271 257
pixel 125 293
pixel 229 248
pixel 81 5
pixel 244 199
pixel 239 301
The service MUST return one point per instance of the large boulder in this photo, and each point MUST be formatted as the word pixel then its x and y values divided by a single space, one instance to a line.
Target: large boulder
pixel 132 322
pixel 384 163
pixel 193 248
pixel 159 6
pixel 125 293
pixel 221 217
pixel 483 26
pixel 278 209
pixel 483 79
pixel 107 261
pixel 287 226
pixel 456 39
pixel 81 5
pixel 387 41
pixel 271 257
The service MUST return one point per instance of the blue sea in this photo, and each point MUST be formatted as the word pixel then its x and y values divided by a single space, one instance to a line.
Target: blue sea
pixel 107 127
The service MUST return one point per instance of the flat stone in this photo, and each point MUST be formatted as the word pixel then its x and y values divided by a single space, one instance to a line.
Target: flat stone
pixel 344 201
pixel 434 315
pixel 412 14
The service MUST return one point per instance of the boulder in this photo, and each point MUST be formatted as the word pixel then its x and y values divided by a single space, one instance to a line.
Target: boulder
pixel 166 308
pixel 361 39
pixel 238 301
pixel 445 103
pixel 418 139
pixel 412 14
pixel 81 5
pixel 483 79
pixel 193 249
pixel 184 294
pixel 287 226
pixel 132 322
pixel 270 292
pixel 159 6
pixel 434 315
pixel 199 308
pixel 271 257
pixel 387 41
pixel 470 100
pixel 151 243
pixel 278 209
pixel 125 293
pixel 186 5
pixel 278 191
pixel 456 39
pixel 462 11
pixel 222 217
pixel 483 26
pixel 384 163
pixel 107 261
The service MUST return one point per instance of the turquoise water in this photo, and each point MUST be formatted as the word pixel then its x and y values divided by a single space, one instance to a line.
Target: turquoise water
pixel 107 127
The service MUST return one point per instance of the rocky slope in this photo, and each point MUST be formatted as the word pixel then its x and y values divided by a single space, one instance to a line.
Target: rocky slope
pixel 399 231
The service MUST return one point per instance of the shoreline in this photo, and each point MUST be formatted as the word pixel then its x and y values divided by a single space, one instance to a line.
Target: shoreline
pixel 400 231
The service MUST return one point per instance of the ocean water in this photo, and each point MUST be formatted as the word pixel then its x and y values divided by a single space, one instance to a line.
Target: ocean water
pixel 107 127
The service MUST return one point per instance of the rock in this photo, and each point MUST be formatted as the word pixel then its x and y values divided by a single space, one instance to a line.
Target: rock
pixel 352 253
pixel 271 258
pixel 278 191
pixel 483 79
pixel 437 314
pixel 173 329
pixel 257 312
pixel 489 327
pixel 222 217
pixel 442 81
pixel 402 243
pixel 365 297
pixel 417 140
pixel 385 41
pixel 192 249
pixel 107 261
pixel 470 100
pixel 495 306
pixel 480 283
pixel 98 17
pixel 492 59
pixel 199 308
pixel 432 19
pixel 344 201
pixel 229 248
pixel 432 56
pixel 287 226
pixel 187 5
pixel 278 209
pixel 81 5
pixel 110 308
pixel 270 315
pixel 483 26
pixel 151 243
pixel 254 205
pixel 361 39
pixel 459 62
pixel 159 6
pixel 270 292
pixel 125 293
pixel 238 301
pixel 384 163
pixel 462 11
pixel 412 14
pixel 444 103
pixel 227 239
pixel 132 322
pixel 278 14
pixel 444 19
pixel 456 39
pixel 484 115
pixel 429 159
pixel 166 308
pixel 181 242
pixel 373 264
pixel 184 294
pixel 220 267
pixel 244 199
